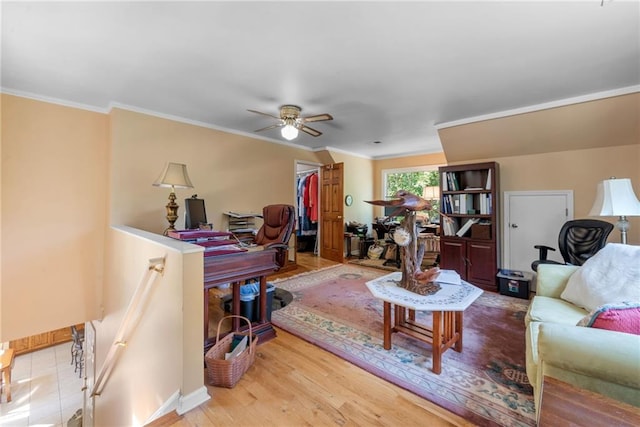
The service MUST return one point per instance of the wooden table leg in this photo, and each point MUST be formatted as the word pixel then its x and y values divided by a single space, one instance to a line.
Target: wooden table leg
pixel 400 315
pixel 458 329
pixel 7 377
pixel 437 342
pixel 263 299
pixel 386 333
pixel 235 306
pixel 206 315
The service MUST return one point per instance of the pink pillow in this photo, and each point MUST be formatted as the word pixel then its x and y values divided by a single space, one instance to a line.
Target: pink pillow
pixel 620 317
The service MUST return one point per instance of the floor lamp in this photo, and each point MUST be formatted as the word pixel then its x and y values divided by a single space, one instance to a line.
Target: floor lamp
pixel 615 197
pixel 175 176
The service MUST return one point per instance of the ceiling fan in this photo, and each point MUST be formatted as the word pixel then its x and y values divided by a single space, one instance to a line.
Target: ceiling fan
pixel 291 122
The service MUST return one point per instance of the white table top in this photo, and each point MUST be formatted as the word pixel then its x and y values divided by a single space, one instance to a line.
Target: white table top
pixel 449 298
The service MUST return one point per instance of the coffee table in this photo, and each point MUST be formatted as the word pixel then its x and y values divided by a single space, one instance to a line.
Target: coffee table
pixel 447 306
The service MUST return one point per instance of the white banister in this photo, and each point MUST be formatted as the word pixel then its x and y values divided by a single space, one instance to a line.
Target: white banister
pixel 129 322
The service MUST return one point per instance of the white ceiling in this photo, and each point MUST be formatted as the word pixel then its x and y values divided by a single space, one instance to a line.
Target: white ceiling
pixel 386 71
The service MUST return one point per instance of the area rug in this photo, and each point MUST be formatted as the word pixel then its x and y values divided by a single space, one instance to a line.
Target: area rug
pixel 429 261
pixel 485 383
pixel 375 263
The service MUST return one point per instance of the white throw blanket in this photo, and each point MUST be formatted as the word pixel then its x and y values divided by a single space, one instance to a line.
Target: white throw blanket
pixel 610 276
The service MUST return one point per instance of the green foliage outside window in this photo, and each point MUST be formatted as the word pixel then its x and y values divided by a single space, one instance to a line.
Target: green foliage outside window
pixel 413 182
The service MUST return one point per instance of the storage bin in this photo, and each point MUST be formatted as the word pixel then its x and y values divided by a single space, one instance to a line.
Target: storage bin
pixel 481 231
pixel 515 283
pixel 250 301
pixel 271 288
pixel 248 295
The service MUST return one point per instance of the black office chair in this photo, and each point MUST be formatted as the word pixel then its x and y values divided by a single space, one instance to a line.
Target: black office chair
pixel 579 240
pixel 279 222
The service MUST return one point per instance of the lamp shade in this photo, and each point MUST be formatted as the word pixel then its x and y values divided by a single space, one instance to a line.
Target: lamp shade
pixel 174 175
pixel 615 197
pixel 431 193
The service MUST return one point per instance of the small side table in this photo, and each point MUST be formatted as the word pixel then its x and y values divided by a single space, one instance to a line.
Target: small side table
pixel 6 364
pixel 447 306
pixel 347 239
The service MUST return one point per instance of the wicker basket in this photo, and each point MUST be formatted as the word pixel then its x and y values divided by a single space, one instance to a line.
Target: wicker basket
pixel 226 373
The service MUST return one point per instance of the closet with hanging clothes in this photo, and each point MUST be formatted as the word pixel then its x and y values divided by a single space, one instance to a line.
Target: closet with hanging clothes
pixel 307 209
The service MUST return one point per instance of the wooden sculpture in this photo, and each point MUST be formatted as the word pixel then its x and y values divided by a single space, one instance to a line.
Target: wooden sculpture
pixel 412 250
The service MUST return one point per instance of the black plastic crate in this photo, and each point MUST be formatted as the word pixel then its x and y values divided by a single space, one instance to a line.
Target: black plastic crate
pixel 515 283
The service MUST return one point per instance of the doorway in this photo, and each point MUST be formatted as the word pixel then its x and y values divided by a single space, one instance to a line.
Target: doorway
pixel 533 218
pixel 307 234
pixel 332 212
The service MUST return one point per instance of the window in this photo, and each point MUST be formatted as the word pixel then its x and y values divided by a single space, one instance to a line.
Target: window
pixel 422 181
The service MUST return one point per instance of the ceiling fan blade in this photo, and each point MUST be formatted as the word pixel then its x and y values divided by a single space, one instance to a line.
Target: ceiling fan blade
pixel 317 118
pixel 264 114
pixel 270 127
pixel 310 131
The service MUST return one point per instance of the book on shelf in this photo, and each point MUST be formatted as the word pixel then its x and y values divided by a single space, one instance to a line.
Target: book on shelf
pixel 467 226
pixel 450 182
pixel 488 185
pixel 466 204
pixel 449 226
pixel 485 204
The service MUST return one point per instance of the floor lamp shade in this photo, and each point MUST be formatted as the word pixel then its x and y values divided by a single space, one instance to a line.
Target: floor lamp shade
pixel 615 197
pixel 174 175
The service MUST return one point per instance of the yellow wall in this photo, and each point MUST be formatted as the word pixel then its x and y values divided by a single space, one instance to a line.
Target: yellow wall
pixel 579 171
pixel 54 181
pixel 230 172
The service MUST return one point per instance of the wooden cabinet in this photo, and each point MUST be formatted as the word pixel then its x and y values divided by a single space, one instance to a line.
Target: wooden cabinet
pixel 469 222
pixel 40 341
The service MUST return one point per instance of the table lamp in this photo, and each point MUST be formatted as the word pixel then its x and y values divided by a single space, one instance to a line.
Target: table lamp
pixel 615 197
pixel 174 175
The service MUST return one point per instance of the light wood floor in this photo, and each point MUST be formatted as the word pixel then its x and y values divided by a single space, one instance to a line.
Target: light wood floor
pixel 294 383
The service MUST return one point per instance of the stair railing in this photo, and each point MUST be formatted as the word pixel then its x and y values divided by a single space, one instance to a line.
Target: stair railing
pixel 129 322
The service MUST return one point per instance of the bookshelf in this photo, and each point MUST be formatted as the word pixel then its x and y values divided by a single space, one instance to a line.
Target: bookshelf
pixel 469 222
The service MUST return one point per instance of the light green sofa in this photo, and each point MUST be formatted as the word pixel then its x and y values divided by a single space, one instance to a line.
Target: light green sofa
pixel 599 360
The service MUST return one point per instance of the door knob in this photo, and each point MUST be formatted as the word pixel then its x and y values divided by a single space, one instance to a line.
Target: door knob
pixel 514 225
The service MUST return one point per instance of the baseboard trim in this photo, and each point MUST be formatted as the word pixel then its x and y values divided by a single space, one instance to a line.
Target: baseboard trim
pixel 192 400
pixel 170 405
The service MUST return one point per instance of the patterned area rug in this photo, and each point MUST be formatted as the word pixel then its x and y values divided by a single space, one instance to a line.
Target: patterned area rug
pixel 485 383
pixel 375 263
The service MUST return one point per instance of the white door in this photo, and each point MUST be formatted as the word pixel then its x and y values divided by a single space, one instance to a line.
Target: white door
pixel 533 218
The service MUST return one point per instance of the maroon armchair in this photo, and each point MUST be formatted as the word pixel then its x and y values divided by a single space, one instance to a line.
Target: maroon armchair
pixel 279 222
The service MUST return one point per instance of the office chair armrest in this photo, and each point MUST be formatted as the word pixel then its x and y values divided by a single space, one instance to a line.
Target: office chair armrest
pixel 543 251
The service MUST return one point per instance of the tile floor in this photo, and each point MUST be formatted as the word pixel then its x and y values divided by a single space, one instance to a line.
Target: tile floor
pixel 44 389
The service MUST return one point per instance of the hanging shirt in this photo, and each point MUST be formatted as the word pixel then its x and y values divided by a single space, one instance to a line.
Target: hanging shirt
pixel 313 197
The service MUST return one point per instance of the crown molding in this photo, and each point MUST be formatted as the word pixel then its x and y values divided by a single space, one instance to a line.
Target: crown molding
pixel 539 107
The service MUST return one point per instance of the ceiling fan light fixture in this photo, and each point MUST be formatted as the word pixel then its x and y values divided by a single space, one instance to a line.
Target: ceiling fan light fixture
pixel 291 123
pixel 289 131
